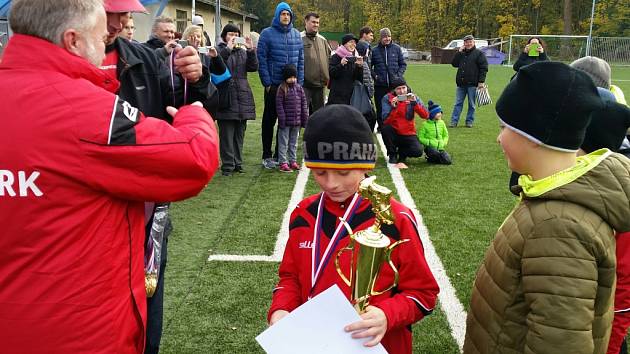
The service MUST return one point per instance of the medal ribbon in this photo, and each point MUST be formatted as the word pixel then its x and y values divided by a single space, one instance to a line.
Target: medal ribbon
pixel 317 264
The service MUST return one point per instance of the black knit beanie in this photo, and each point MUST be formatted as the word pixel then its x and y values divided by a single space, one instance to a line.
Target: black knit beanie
pixel 397 81
pixel 608 128
pixel 230 27
pixel 337 136
pixel 549 103
pixel 288 71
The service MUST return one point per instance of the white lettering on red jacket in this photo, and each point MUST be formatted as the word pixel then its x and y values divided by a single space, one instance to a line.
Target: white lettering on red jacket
pixel 7 181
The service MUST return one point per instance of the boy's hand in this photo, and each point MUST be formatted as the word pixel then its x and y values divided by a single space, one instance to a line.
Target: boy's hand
pixel 373 324
pixel 277 316
pixel 394 102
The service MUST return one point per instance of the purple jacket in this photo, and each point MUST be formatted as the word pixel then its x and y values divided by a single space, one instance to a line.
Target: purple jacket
pixel 292 106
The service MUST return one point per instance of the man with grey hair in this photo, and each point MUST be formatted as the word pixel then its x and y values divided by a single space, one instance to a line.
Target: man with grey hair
pixel 162 38
pixel 145 82
pixel 77 163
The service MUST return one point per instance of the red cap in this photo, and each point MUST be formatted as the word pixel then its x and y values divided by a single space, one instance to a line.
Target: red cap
pixel 118 6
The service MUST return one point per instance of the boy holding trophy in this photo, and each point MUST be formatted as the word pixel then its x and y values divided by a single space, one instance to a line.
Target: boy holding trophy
pixel 349 213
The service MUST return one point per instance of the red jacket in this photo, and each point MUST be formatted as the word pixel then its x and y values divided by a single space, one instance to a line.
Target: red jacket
pixel 401 117
pixel 77 163
pixel 415 294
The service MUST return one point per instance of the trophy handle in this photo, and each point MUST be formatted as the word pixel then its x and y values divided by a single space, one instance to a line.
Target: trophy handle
pixel 388 253
pixel 339 271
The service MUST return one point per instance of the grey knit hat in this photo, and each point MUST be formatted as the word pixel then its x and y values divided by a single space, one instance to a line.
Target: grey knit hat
pixel 598 69
pixel 385 32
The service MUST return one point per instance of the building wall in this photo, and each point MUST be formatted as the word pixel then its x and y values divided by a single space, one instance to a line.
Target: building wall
pixel 144 22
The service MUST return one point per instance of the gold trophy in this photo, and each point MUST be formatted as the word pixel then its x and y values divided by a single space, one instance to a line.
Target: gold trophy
pixel 369 247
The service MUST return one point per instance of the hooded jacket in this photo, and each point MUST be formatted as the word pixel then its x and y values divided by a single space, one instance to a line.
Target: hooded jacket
pixel 547 281
pixel 401 117
pixel 278 46
pixel 81 162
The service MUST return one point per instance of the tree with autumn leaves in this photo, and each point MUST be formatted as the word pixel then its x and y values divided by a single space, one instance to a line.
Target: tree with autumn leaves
pixel 425 23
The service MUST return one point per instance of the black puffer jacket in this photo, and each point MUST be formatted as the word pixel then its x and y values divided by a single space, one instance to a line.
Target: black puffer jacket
pixel 525 59
pixel 472 67
pixel 145 81
pixel 342 80
pixel 240 99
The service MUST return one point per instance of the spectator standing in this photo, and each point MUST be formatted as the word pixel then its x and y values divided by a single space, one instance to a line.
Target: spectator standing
pixel 145 82
pixel 236 100
pixel 128 31
pixel 533 52
pixel 345 67
pixel 162 38
pixel 472 67
pixel 399 127
pixel 292 107
pixel 198 21
pixel 388 64
pixel 72 278
pixel 278 45
pixel 317 54
pixel 366 36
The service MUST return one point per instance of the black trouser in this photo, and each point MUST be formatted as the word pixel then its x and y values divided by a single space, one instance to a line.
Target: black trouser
pixel 270 116
pixel 400 146
pixel 231 136
pixel 315 98
pixel 379 92
pixel 437 156
pixel 155 304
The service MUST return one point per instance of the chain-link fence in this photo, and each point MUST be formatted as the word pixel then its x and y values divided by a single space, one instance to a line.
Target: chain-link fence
pixel 615 50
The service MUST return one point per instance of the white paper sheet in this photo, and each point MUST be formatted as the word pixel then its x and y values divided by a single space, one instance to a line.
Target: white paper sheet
pixel 316 327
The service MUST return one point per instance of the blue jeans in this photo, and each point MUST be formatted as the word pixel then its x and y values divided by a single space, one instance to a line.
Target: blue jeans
pixel 460 94
pixel 287 144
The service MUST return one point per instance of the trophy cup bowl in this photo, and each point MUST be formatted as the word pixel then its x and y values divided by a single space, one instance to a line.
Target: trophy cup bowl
pixel 369 248
pixel 150 283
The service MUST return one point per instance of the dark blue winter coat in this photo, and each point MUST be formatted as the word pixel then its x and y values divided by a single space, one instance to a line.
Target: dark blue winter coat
pixel 387 63
pixel 277 46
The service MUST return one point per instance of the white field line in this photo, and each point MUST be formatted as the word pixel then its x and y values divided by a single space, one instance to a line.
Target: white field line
pixel 452 307
pixel 283 235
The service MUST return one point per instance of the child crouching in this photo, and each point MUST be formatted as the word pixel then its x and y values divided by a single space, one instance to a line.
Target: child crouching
pixel 339 159
pixel 434 136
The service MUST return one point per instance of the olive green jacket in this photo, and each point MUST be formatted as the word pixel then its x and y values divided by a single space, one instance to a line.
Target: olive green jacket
pixel 317 54
pixel 547 281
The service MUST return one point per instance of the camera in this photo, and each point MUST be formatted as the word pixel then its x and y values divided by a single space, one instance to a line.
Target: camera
pixel 351 59
pixel 402 98
pixel 203 50
pixel 239 42
pixel 183 43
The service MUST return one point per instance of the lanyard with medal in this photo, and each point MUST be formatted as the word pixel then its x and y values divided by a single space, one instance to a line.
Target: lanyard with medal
pixel 319 264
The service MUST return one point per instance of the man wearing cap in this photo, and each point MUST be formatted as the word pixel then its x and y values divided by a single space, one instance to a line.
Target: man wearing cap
pixel 547 281
pixel 145 82
pixel 279 44
pixel 77 163
pixel 387 64
pixel 472 67
pixel 316 56
pixel 198 21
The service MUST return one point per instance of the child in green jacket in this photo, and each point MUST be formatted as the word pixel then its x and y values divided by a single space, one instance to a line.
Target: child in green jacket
pixel 434 136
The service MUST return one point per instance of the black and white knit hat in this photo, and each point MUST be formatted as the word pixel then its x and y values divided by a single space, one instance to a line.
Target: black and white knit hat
pixel 338 137
pixel 549 103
